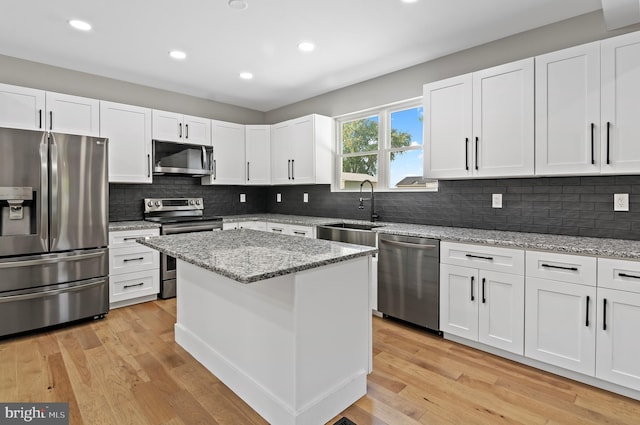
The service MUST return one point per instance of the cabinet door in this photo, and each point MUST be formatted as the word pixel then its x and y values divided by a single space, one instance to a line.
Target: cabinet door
pixel 503 120
pixel 72 114
pixel 302 136
pixel 568 111
pixel 560 324
pixel 501 311
pixel 447 128
pixel 459 301
pixel 21 107
pixel 258 154
pixel 129 131
pixel 197 130
pixel 618 342
pixel 281 154
pixel 167 126
pixel 228 154
pixel 620 104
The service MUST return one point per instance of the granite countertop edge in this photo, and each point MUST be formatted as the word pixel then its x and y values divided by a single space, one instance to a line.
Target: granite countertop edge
pixel 118 226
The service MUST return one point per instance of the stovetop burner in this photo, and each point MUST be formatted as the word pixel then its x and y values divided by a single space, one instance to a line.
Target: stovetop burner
pixel 176 210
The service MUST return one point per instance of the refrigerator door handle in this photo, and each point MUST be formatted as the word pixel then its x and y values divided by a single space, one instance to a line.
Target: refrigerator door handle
pixel 41 294
pixel 55 260
pixel 54 194
pixel 44 192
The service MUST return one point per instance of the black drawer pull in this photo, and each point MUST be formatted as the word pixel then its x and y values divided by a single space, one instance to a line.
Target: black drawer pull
pixel 126 260
pixel 628 275
pixel 133 286
pixel 479 256
pixel 472 297
pixel 551 266
pixel 604 314
pixel 131 239
pixel 588 302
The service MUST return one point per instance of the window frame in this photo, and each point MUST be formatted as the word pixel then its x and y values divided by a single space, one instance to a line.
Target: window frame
pixel 384 145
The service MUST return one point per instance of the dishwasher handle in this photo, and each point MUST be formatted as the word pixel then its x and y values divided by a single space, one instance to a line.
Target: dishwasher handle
pixel 407 244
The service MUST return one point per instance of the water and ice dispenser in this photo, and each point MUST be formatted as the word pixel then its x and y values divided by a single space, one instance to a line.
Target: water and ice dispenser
pixel 18 212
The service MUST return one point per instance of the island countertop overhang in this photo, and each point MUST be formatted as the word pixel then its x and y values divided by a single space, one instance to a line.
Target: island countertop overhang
pixel 249 256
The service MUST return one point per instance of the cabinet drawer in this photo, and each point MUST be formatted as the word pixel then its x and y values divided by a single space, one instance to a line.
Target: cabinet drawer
pixel 506 260
pixel 133 285
pixel 133 259
pixel 305 231
pixel 562 267
pixel 623 275
pixel 128 237
pixel 277 228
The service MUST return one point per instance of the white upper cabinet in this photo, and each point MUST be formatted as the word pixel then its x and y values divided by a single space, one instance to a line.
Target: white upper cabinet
pixel 129 131
pixel 258 154
pixel 22 107
pixel 72 114
pixel 301 151
pixel 620 135
pixel 568 111
pixel 481 124
pixel 174 127
pixel 228 154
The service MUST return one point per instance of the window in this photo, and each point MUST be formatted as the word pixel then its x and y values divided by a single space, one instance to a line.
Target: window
pixel 383 145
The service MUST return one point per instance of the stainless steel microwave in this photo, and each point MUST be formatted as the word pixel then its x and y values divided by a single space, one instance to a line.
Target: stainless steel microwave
pixel 180 158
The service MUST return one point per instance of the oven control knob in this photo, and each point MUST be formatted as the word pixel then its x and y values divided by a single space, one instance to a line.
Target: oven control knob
pixel 150 203
pixel 158 203
pixel 191 202
pixel 197 202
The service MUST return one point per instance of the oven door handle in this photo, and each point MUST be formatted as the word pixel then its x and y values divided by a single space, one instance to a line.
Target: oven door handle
pixel 190 229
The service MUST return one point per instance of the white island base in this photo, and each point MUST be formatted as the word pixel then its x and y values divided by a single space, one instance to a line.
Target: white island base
pixel 296 348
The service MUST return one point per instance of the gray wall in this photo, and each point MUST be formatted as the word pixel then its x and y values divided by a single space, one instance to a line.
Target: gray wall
pixel 407 83
pixel 45 77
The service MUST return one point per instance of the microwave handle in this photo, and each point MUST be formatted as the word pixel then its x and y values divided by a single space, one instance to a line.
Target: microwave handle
pixel 205 161
pixel 210 162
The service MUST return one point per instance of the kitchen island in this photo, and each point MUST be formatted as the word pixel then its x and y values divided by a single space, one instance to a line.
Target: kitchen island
pixel 283 321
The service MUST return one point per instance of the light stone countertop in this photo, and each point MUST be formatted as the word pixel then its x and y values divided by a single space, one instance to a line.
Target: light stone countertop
pixel 250 255
pixel 117 226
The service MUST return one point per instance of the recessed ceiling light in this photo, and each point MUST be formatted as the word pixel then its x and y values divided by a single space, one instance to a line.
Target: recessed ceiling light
pixel 409 1
pixel 177 54
pixel 80 25
pixel 306 46
pixel 246 75
pixel 238 4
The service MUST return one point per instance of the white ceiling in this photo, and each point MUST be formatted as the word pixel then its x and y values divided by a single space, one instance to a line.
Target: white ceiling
pixel 355 40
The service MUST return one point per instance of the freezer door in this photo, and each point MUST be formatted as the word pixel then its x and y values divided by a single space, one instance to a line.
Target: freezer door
pixel 23 192
pixel 79 192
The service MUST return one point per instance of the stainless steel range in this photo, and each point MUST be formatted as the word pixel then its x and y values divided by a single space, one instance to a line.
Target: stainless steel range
pixel 177 215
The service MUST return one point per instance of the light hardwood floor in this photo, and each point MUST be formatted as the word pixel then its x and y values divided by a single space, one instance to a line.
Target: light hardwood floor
pixel 126 369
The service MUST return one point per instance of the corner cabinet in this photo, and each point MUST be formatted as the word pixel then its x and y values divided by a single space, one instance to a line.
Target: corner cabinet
pixel 481 124
pixel 22 107
pixel 482 294
pixel 174 127
pixel 301 151
pixel 129 131
pixel 258 154
pixel 227 140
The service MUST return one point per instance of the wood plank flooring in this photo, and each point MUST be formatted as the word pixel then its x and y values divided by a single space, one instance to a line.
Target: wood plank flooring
pixel 127 369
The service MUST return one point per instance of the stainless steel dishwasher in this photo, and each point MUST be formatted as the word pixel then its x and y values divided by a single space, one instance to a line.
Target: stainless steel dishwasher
pixel 408 279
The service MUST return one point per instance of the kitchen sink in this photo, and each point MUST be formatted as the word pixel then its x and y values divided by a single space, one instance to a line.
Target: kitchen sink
pixel 359 234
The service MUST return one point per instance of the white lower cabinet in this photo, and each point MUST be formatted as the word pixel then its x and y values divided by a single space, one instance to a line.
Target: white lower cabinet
pixel 479 304
pixel 618 344
pixel 291 229
pixel 134 269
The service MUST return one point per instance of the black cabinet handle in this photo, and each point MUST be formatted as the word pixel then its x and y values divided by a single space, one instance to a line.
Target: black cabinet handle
pixel 479 256
pixel 148 165
pixel 608 139
pixel 628 275
pixel 50 120
pixel 131 239
pixel 484 281
pixel 289 169
pixel 293 169
pixel 126 260
pixel 133 286
pixel 186 131
pixel 180 130
pixel 248 164
pixel 215 169
pixel 604 314
pixel 39 118
pixel 551 266
pixel 587 320
pixel 472 297
pixel 593 159
pixel 477 153
pixel 466 153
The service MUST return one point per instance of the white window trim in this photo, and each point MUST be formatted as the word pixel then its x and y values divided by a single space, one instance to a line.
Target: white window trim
pixel 384 113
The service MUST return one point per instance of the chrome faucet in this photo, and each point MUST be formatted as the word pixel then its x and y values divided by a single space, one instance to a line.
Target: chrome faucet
pixel 374 216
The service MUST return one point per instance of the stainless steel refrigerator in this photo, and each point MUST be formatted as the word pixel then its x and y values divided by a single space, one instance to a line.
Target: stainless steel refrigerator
pixel 53 229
